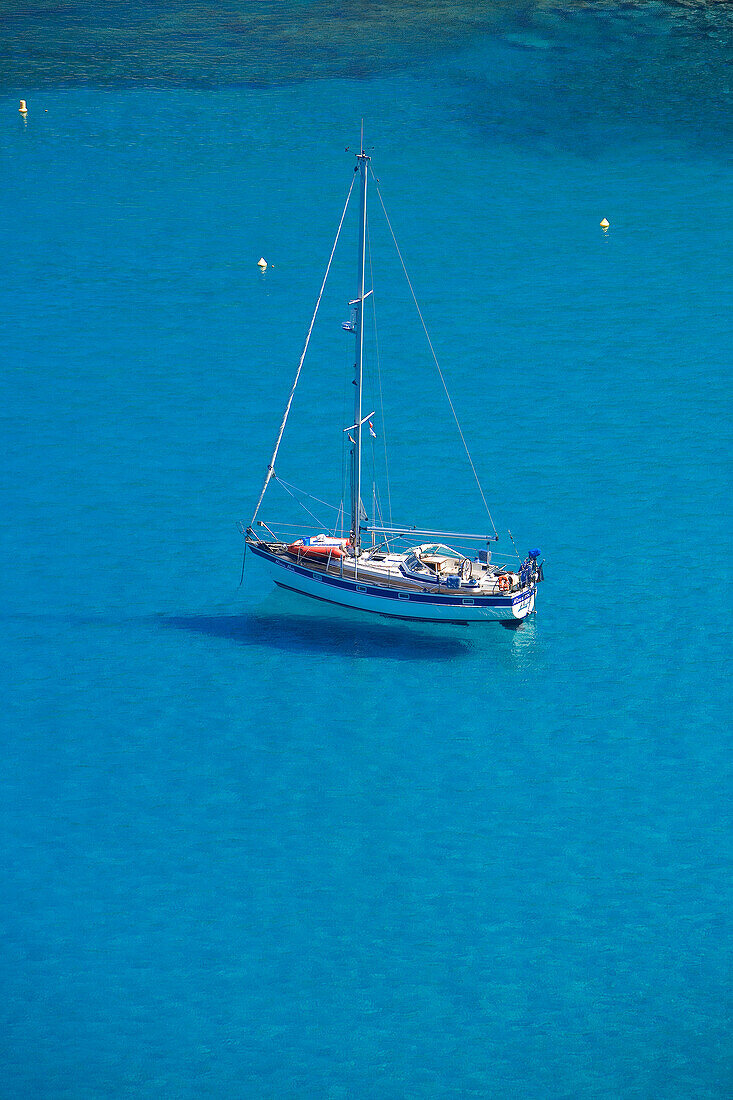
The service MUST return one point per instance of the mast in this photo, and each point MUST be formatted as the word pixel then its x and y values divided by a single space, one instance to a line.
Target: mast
pixel 362 162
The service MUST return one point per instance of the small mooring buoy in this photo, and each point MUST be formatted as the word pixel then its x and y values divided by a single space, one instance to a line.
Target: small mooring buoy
pixel 23 108
pixel 605 225
pixel 262 263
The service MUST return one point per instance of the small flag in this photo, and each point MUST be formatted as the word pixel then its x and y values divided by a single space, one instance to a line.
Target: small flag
pixel 372 433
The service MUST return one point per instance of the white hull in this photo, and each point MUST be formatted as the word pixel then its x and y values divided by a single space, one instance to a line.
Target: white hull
pixel 380 600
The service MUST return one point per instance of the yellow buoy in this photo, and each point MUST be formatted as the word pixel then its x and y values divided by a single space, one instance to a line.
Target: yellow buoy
pixel 605 224
pixel 23 109
pixel 262 263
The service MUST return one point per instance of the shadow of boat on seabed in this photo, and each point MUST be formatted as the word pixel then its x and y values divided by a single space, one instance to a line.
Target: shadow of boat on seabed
pixel 319 635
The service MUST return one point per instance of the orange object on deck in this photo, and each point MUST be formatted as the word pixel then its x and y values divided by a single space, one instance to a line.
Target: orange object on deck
pixel 316 552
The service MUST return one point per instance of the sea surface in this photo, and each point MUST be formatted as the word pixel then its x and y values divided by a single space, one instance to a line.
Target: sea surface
pixel 253 846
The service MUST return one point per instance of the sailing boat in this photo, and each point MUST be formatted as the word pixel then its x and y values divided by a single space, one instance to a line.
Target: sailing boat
pixel 399 571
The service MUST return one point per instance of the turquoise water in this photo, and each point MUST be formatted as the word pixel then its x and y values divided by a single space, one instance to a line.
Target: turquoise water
pixel 258 847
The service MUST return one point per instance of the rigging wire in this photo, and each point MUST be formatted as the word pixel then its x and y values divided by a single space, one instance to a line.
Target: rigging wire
pixel 300 502
pixel 432 349
pixel 379 375
pixel 378 504
pixel 287 484
pixel 511 536
pixel 271 467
